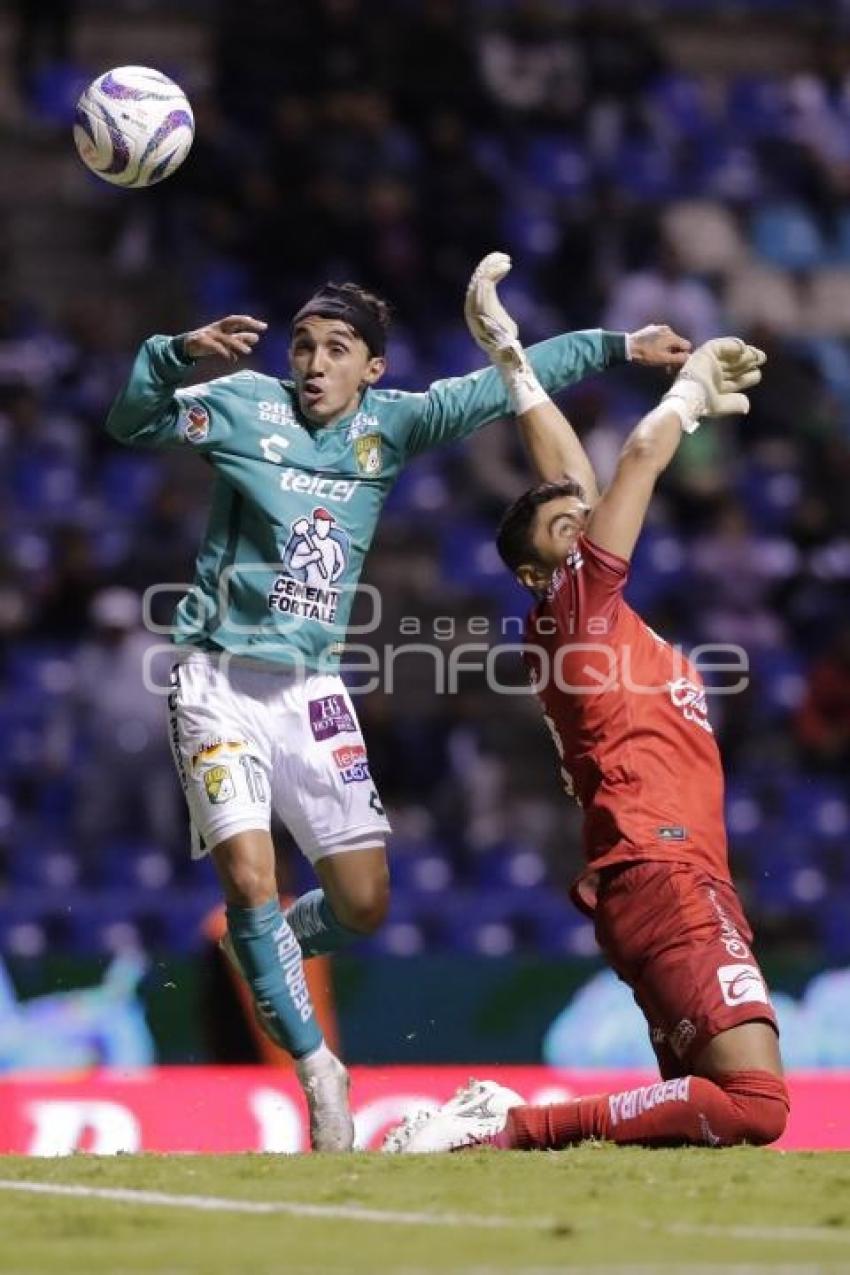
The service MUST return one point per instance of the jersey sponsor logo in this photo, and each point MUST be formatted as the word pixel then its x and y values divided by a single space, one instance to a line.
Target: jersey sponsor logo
pixel 362 424
pixel 273 446
pixel 741 984
pixel 329 717
pixel 368 455
pixel 730 935
pixel 315 557
pixel 219 784
pixel 341 489
pixel 352 763
pixel 689 698
pixel 195 422
pixel 276 412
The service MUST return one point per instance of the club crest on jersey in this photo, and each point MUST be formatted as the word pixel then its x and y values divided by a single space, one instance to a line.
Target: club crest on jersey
pixel 218 782
pixel 367 453
pixel 195 422
pixel 314 559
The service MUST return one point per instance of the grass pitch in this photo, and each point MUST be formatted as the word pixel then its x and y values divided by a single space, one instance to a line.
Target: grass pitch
pixel 593 1208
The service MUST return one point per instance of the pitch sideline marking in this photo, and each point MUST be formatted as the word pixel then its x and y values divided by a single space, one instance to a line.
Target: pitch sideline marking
pixel 357 1213
pixel 218 1204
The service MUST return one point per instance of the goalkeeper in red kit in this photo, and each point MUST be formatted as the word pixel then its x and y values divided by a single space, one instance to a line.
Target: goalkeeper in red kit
pixel 627 714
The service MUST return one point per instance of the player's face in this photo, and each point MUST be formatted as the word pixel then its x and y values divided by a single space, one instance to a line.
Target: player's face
pixel 331 366
pixel 557 526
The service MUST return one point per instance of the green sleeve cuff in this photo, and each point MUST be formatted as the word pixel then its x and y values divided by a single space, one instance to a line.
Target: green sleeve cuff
pixel 178 349
pixel 614 348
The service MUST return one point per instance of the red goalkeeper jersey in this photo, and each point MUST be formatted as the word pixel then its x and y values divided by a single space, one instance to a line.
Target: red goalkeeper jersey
pixel 628 717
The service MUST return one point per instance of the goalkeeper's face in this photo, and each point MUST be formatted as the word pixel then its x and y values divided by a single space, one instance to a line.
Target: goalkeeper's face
pixel 331 366
pixel 556 527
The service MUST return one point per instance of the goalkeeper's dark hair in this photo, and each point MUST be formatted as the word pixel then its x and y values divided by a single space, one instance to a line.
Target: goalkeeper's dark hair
pixel 514 538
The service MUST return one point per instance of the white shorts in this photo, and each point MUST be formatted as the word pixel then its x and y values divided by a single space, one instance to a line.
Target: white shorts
pixel 248 739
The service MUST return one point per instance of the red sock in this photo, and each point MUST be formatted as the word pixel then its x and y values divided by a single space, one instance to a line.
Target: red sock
pixel 741 1106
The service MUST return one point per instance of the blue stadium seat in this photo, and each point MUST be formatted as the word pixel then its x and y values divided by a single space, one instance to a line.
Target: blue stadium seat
pixel 47 488
pixel 420 868
pixel 128 483
pixel 555 164
pixel 787 235
pixel 647 170
pixel 757 106
pixel 817 809
pixel 683 103
pixel 831 916
pixel 40 669
pixel 517 867
pixel 135 865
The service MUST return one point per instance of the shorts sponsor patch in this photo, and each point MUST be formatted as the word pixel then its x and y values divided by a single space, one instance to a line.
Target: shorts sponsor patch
pixel 330 716
pixel 218 781
pixel 352 763
pixel 741 984
pixel 673 833
pixel 195 422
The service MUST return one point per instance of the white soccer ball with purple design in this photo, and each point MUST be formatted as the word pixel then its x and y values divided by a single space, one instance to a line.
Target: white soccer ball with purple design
pixel 133 126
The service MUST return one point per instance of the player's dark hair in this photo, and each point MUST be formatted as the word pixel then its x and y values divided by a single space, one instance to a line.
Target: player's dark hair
pixel 369 315
pixel 514 537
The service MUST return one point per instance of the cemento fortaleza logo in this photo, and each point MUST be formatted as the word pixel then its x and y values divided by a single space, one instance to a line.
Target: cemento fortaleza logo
pixel 352 763
pixel 314 559
pixel 741 984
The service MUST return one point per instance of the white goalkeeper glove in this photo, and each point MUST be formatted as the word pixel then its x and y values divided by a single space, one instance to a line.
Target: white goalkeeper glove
pixel 712 381
pixel 494 330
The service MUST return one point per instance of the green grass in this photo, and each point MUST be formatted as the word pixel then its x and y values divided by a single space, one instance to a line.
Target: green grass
pixel 608 1207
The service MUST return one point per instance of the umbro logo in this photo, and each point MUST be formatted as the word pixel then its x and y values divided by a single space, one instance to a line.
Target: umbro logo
pixel 481 1111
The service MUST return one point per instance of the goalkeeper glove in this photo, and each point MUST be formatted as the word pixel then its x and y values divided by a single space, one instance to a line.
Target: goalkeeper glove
pixel 494 330
pixel 712 381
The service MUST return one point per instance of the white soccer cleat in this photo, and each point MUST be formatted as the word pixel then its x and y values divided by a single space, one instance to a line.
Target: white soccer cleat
pixel 476 1113
pixel 395 1143
pixel 325 1082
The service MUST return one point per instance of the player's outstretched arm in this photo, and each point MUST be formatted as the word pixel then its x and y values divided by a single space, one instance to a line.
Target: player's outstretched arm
pixel 147 412
pixel 711 383
pixel 229 338
pixel 553 447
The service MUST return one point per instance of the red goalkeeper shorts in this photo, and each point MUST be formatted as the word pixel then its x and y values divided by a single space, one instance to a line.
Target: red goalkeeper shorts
pixel 680 940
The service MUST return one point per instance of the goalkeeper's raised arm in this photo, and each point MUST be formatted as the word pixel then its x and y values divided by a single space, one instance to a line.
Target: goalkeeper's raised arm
pixel 552 444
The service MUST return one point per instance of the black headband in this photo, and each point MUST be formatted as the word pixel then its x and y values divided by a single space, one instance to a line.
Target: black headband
pixel 330 303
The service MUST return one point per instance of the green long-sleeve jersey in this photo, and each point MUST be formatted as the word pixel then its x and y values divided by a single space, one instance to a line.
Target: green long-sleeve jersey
pixel 295 506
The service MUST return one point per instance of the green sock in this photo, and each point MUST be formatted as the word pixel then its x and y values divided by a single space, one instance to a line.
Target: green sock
pixel 314 923
pixel 271 961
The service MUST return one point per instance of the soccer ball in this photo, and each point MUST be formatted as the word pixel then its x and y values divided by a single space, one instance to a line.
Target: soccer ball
pixel 133 126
